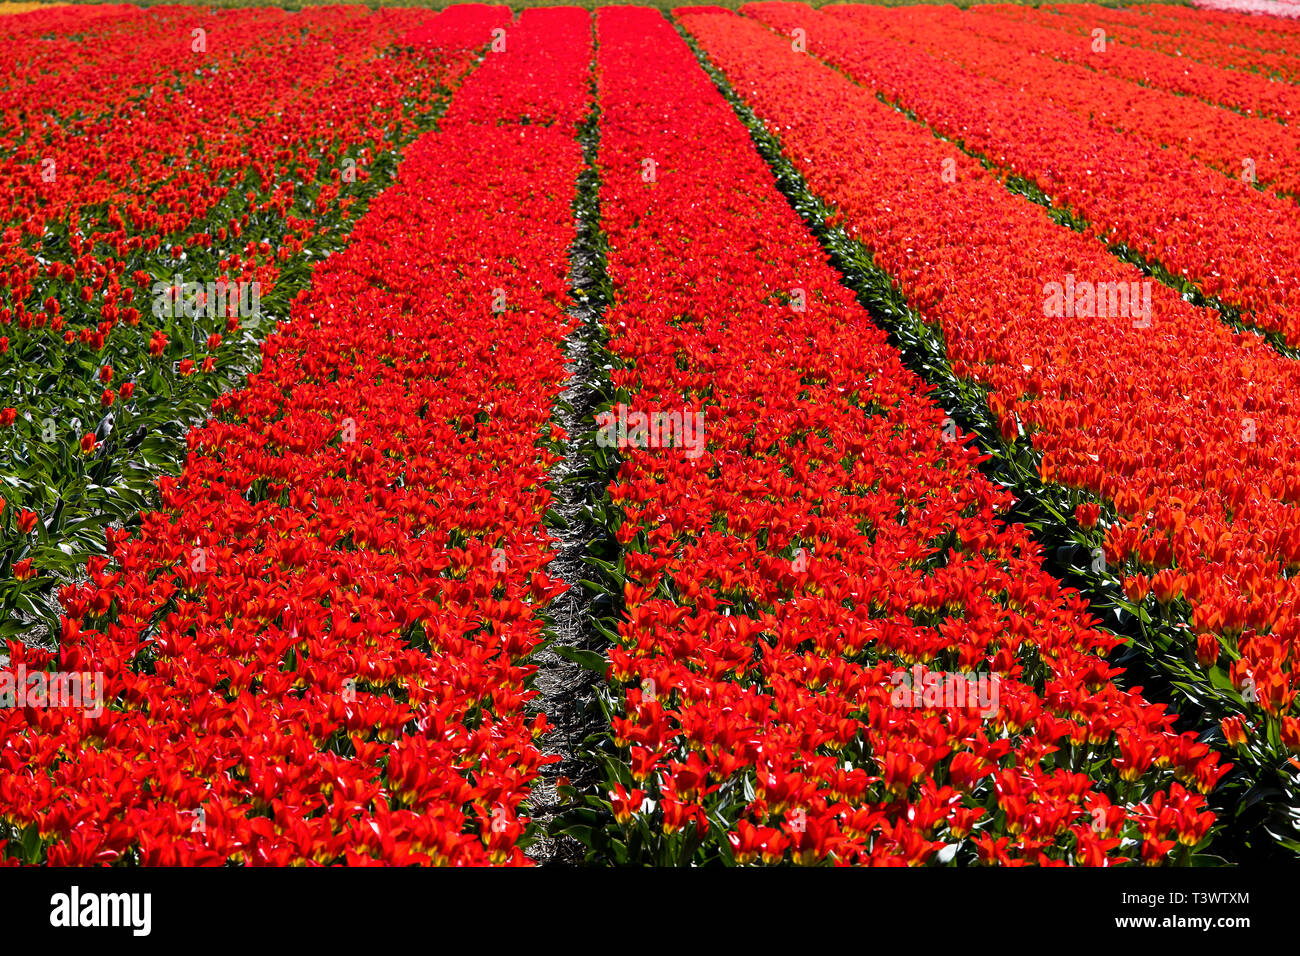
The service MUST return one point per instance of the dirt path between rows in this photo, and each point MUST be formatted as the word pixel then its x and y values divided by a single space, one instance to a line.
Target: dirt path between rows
pixel 566 691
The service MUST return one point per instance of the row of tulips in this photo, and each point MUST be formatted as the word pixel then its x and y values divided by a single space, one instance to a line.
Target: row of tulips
pixel 1174 441
pixel 151 242
pixel 1228 239
pixel 1247 92
pixel 1240 146
pixel 795 587
pixel 67 78
pixel 316 652
pixel 1211 47
pixel 1249 32
pixel 91 62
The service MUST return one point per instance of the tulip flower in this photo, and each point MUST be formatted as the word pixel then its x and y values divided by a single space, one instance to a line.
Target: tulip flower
pixel 1235 731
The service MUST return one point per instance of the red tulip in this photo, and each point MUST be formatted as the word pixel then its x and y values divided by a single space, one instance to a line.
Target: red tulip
pixel 1235 731
pixel 1087 514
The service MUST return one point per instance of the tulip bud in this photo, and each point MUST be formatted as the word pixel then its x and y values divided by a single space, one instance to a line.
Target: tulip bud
pixel 1207 650
pixel 1291 734
pixel 1137 588
pixel 1167 586
pixel 1234 731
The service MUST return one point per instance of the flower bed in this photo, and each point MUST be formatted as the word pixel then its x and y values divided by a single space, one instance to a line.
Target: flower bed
pixel 317 652
pixel 1169 443
pixel 147 251
pixel 830 648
